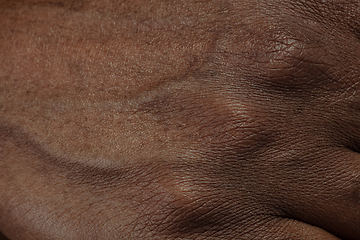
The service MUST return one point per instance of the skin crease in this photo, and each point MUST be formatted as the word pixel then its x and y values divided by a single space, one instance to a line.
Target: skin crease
pixel 179 119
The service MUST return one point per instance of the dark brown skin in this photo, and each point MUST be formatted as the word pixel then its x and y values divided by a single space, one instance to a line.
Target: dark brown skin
pixel 180 119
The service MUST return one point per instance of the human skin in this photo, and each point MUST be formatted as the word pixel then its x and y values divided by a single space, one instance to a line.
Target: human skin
pixel 179 119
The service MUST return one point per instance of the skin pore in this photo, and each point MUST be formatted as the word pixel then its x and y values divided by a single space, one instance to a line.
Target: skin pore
pixel 179 119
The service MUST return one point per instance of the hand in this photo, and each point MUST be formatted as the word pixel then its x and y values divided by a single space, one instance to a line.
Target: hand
pixel 180 119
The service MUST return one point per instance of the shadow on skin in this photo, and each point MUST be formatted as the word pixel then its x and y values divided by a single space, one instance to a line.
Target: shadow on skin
pixel 2 237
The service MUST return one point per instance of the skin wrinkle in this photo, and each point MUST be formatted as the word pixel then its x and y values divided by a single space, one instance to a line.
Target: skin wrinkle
pixel 48 98
pixel 230 135
pixel 86 175
pixel 342 13
pixel 97 177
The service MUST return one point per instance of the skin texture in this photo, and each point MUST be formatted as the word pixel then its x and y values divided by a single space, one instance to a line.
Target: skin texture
pixel 180 119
